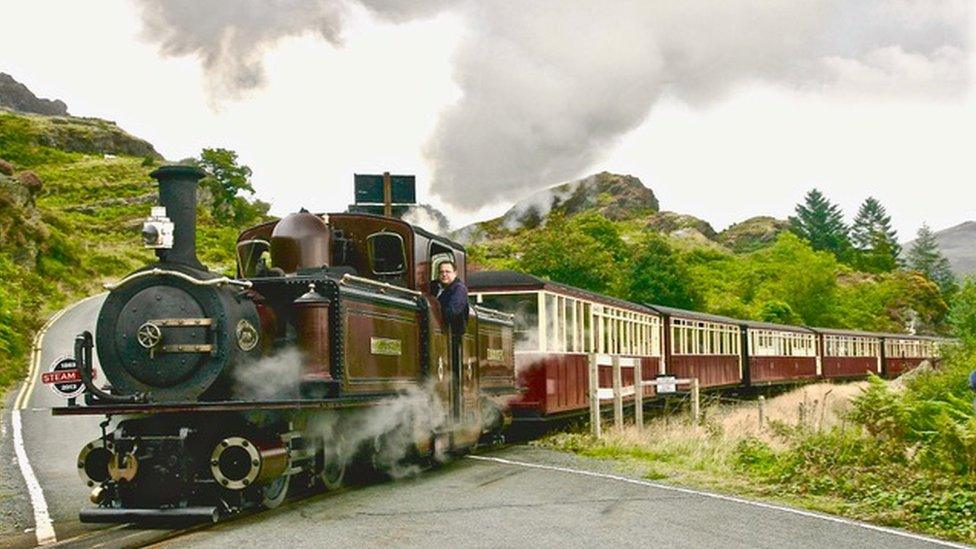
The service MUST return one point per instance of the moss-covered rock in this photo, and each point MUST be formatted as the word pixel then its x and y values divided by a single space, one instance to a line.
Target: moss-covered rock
pixel 753 233
pixel 670 222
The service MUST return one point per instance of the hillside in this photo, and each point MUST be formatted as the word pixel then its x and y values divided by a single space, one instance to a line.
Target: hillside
pixel 958 245
pixel 73 193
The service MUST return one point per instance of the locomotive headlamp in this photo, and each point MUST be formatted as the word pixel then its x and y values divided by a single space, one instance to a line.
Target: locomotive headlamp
pixel 157 229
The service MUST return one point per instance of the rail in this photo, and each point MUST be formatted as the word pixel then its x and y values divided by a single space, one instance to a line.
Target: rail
pixel 618 391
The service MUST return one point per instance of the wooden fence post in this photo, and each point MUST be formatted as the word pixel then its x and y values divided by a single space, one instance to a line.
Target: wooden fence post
pixel 762 411
pixel 594 397
pixel 638 396
pixel 695 404
pixel 618 396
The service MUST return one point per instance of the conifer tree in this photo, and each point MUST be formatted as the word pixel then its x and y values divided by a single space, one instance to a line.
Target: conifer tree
pixel 925 257
pixel 821 223
pixel 875 241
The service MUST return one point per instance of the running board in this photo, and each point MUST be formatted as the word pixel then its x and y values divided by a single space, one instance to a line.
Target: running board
pixel 177 515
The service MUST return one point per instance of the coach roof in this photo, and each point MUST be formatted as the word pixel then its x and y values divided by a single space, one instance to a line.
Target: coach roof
pixel 509 281
pixel 694 315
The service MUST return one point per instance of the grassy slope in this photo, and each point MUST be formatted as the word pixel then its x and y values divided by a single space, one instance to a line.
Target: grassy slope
pixel 92 206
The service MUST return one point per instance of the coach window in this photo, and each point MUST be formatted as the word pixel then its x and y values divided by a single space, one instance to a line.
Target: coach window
pixel 525 307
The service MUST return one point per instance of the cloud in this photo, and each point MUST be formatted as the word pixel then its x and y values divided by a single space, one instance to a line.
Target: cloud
pixel 549 87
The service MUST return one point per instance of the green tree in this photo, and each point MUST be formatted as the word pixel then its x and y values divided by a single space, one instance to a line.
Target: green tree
pixel 657 274
pixel 875 241
pixel 226 180
pixel 793 273
pixel 604 231
pixel 821 223
pixel 779 312
pixel 925 257
pixel 564 251
pixel 962 314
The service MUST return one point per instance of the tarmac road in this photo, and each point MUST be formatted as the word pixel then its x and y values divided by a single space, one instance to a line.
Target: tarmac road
pixel 506 497
pixel 532 497
pixel 51 443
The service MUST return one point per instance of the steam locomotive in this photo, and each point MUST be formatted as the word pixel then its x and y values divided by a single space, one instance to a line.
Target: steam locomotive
pixel 326 346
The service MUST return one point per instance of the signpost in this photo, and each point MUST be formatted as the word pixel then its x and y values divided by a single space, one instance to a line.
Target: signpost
pixel 384 194
pixel 666 384
pixel 64 378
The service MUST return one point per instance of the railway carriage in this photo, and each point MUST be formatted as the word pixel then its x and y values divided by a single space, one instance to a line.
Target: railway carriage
pixel 557 327
pixel 849 354
pixel 905 352
pixel 703 346
pixel 776 353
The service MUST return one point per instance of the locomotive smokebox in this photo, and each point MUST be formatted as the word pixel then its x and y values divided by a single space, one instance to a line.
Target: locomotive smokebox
pixel 178 194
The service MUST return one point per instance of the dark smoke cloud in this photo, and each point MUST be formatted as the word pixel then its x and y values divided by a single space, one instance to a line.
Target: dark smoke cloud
pixel 548 86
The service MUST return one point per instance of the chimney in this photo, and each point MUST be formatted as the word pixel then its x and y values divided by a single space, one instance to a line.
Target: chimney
pixel 178 194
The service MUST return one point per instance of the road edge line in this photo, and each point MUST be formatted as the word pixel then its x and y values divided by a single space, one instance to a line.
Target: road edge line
pixel 734 499
pixel 43 526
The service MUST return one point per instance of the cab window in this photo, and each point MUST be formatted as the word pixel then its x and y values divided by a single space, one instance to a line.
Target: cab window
pixel 386 255
pixel 439 254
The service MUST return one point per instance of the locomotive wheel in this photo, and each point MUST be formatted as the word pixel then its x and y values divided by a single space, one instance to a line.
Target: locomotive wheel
pixel 274 494
pixel 332 474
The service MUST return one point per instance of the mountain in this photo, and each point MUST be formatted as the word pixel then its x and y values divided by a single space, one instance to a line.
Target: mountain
pixel 15 96
pixel 958 244
pixel 617 197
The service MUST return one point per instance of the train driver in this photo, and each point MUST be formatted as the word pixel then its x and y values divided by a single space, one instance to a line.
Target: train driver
pixel 452 294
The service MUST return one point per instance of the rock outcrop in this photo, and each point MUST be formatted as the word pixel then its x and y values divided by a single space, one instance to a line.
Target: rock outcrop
pixel 617 197
pixel 753 233
pixel 22 231
pixel 17 97
pixel 671 222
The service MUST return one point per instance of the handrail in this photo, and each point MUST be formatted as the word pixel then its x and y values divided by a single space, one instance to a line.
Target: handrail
pixel 160 272
pixel 377 283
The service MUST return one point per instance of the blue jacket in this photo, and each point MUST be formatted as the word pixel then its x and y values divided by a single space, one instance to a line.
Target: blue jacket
pixel 454 304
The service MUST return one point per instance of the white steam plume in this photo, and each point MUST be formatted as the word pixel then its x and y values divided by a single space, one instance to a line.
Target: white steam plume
pixel 389 429
pixel 548 86
pixel 274 377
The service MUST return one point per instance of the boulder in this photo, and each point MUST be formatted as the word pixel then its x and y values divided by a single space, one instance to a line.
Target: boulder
pixel 31 182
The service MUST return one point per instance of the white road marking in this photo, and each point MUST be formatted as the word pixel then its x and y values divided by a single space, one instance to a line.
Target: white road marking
pixel 42 520
pixel 44 527
pixel 733 499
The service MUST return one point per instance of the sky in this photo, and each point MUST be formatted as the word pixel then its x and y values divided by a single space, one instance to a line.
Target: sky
pixel 725 110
